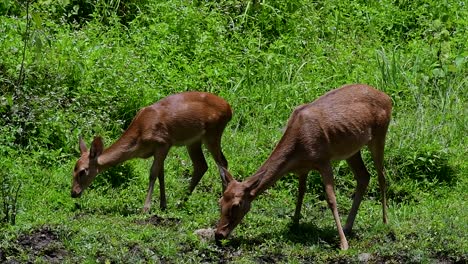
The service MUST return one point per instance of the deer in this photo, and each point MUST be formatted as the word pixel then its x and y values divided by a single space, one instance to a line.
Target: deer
pixel 336 126
pixel 184 119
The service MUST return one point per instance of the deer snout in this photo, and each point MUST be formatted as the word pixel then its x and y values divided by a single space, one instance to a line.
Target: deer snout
pixel 75 194
pixel 220 235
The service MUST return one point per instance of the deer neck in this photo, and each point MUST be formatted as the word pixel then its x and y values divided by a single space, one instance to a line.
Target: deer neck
pixel 122 150
pixel 277 165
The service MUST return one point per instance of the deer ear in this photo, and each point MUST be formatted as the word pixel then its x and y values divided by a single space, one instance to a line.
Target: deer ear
pixel 96 148
pixel 83 147
pixel 254 184
pixel 226 177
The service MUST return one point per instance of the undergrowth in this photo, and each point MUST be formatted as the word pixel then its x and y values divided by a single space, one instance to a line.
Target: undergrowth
pixel 84 68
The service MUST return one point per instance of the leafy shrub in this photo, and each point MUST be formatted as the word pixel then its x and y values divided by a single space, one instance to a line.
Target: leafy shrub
pixel 428 163
pixel 10 8
pixel 79 12
pixel 417 170
pixel 119 176
pixel 9 190
pixel 265 58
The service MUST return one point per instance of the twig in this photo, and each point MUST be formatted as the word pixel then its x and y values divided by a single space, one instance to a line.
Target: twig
pixel 26 37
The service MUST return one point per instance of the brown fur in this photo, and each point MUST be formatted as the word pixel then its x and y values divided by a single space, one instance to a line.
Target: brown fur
pixel 184 119
pixel 334 127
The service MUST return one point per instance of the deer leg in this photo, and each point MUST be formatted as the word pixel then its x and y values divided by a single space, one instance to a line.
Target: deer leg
pixel 300 197
pixel 199 164
pixel 362 177
pixel 376 148
pixel 328 181
pixel 213 143
pixel 157 171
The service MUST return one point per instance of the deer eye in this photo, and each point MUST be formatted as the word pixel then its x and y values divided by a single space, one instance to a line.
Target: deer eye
pixel 83 173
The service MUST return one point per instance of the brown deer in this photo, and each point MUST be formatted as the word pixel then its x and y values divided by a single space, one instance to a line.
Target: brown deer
pixel 334 127
pixel 184 119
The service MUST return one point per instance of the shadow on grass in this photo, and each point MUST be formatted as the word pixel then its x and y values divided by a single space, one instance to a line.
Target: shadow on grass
pixel 113 209
pixel 124 211
pixel 306 234
pixel 158 221
pixel 249 241
pixel 309 234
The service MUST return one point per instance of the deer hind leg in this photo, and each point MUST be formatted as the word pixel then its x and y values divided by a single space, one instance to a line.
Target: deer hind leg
pixel 328 181
pixel 300 197
pixel 376 147
pixel 213 143
pixel 157 171
pixel 362 177
pixel 199 164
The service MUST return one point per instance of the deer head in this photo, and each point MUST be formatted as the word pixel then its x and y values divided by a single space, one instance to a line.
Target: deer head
pixel 86 167
pixel 234 204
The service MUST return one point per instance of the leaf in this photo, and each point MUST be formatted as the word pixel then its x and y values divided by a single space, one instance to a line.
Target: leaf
pixel 459 61
pixel 438 73
pixel 37 18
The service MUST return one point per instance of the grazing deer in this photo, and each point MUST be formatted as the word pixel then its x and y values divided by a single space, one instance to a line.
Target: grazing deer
pixel 184 119
pixel 334 127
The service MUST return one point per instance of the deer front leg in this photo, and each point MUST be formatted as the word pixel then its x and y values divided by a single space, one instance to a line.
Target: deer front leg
pixel 362 177
pixel 199 168
pixel 157 171
pixel 300 197
pixel 199 165
pixel 327 177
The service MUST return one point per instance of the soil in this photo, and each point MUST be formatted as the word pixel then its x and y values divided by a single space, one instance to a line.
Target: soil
pixel 44 245
pixel 271 258
pixel 41 244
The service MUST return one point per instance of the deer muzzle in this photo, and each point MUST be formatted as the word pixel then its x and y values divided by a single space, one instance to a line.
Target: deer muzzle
pixel 220 235
pixel 75 194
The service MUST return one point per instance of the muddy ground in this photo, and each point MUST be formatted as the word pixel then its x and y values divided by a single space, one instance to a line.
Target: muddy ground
pixel 44 245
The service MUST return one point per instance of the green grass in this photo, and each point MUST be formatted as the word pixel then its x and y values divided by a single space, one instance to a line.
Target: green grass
pixel 108 226
pixel 88 71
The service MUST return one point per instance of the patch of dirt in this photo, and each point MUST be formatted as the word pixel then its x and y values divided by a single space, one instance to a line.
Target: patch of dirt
pixel 158 221
pixel 397 258
pixel 446 258
pixel 405 257
pixel 135 254
pixel 43 243
pixel 271 258
pixel 213 254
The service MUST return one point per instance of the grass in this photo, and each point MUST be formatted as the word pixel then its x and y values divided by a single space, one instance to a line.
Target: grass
pixel 106 226
pixel 88 71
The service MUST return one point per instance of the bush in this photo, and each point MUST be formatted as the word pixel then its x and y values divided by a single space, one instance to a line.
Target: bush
pixel 413 171
pixel 10 186
pixel 119 176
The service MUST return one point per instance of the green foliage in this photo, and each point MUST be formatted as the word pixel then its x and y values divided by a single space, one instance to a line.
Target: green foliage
pixel 10 187
pixel 116 177
pixel 10 7
pixel 90 65
pixel 426 164
pixel 413 172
